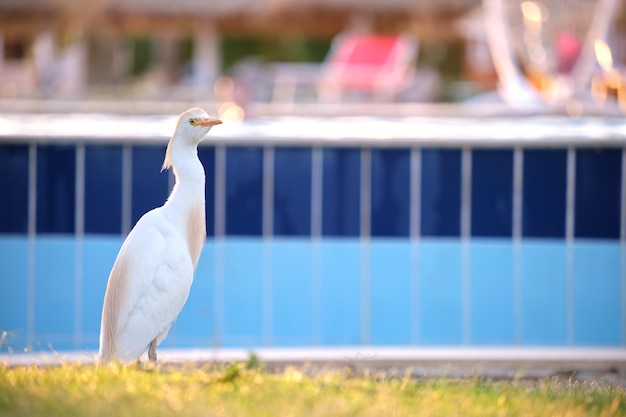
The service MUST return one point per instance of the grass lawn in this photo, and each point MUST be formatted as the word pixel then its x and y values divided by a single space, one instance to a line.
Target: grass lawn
pixel 243 390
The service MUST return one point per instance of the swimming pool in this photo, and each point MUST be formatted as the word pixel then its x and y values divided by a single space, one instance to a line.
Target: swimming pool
pixel 329 232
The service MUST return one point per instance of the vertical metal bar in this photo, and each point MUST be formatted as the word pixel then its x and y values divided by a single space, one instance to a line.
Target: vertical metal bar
pixel 79 231
pixel 317 167
pixel 268 231
pixel 220 230
pixel 316 291
pixel 466 225
pixel 415 231
pixel 268 192
pixel 466 193
pixel 79 193
pixel 218 295
pixel 570 206
pixel 220 192
pixel 366 193
pixel 518 188
pixel 317 195
pixel 623 246
pixel 127 187
pixel 518 195
pixel 416 192
pixel 366 219
pixel 32 230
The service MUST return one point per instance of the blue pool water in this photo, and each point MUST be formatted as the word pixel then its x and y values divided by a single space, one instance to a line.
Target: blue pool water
pixel 298 292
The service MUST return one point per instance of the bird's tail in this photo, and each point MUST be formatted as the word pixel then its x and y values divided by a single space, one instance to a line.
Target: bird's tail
pixel 110 312
pixel 108 350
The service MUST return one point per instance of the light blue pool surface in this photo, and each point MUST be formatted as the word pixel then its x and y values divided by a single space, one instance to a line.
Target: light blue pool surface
pixel 334 292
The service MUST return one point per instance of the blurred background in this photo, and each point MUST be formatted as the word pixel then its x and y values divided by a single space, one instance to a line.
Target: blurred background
pixel 308 51
pixel 404 172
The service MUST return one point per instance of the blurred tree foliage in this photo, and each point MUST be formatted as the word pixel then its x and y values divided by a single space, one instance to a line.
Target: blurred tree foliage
pixel 273 49
pixel 142 56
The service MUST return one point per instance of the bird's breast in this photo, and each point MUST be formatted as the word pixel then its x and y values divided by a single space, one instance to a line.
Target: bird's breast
pixel 196 232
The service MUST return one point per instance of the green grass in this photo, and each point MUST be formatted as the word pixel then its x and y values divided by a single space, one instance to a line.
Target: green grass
pixel 240 390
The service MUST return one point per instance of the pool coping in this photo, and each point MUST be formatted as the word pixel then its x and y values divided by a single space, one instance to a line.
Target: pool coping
pixel 365 356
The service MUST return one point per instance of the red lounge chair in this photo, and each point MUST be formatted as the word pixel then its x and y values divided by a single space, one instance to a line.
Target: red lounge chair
pixel 379 65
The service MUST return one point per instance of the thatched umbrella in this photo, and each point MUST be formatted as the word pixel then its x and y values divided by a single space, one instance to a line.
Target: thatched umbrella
pixel 311 17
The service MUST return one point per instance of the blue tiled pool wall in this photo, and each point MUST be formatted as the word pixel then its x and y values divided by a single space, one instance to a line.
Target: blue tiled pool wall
pixel 290 287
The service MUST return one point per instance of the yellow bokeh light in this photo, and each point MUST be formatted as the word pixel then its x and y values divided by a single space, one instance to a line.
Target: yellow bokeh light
pixel 603 54
pixel 230 112
pixel 534 12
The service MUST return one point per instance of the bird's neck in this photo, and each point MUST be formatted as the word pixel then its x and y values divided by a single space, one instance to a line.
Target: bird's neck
pixel 189 174
pixel 186 165
pixel 185 207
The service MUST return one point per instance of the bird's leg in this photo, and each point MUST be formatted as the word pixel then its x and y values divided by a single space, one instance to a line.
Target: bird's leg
pixel 152 350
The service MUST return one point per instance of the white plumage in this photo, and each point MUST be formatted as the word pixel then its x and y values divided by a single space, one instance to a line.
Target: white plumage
pixel 153 272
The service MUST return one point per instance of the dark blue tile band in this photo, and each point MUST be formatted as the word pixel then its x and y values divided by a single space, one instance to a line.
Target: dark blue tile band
pixel 292 192
pixel 341 192
pixel 207 157
pixel 56 183
pixel 441 193
pixel 244 191
pixel 543 198
pixel 492 193
pixel 391 177
pixel 598 185
pixel 14 186
pixel 103 190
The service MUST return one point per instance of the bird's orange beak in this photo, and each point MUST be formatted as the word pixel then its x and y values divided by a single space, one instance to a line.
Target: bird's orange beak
pixel 209 121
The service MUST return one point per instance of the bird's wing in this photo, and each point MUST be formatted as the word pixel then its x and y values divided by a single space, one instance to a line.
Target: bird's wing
pixel 157 282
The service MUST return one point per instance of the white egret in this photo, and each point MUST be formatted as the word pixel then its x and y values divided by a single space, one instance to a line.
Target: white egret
pixel 151 277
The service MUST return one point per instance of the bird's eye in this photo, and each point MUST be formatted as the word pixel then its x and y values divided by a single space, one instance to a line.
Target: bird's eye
pixel 193 122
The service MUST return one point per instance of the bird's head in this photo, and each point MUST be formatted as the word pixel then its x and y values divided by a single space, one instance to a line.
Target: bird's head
pixel 192 127
pixel 194 124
